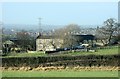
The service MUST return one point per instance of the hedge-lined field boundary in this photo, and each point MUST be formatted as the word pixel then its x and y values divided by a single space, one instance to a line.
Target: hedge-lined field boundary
pixel 89 60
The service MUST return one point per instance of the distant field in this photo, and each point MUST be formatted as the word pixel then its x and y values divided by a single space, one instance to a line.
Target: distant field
pixel 60 73
pixel 107 51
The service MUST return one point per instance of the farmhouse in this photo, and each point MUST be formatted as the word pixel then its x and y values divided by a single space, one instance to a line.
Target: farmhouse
pixel 46 42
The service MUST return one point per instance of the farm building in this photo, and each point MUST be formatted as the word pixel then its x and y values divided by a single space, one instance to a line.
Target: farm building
pixel 44 42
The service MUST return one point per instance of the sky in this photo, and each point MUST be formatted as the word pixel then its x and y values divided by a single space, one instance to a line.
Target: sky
pixel 59 0
pixel 58 13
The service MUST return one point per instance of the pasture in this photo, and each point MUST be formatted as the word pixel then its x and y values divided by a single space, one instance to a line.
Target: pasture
pixel 112 50
pixel 64 72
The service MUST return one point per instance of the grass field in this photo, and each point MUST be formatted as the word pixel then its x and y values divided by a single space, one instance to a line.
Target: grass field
pixel 108 51
pixel 63 73
pixel 60 73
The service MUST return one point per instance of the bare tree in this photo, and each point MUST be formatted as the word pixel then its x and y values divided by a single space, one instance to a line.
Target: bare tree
pixel 67 30
pixel 67 33
pixel 72 29
pixel 108 30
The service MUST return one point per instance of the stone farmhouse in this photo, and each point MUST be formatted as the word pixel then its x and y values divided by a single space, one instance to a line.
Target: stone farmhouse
pixel 44 43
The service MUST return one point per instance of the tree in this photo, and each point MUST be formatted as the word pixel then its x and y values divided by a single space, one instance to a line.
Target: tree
pixel 71 40
pixel 72 29
pixel 67 33
pixel 25 40
pixel 108 30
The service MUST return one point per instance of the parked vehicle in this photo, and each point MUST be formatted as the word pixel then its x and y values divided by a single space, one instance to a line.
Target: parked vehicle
pixel 66 49
pixel 60 49
pixel 78 47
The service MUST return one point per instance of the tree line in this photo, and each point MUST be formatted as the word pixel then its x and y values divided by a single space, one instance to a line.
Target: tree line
pixel 110 31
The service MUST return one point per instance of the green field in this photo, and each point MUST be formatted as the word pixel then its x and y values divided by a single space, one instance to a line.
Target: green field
pixel 60 73
pixel 64 72
pixel 107 51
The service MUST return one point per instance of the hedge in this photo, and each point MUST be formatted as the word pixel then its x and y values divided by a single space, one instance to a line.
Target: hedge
pixel 89 60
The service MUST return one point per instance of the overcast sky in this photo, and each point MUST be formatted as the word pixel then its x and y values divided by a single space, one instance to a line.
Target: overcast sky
pixel 58 13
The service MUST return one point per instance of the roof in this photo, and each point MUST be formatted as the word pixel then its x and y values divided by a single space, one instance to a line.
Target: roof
pixel 84 37
pixel 13 39
pixel 47 37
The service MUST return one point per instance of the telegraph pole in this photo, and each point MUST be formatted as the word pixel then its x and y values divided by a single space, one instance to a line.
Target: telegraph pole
pixel 40 29
pixel 1 31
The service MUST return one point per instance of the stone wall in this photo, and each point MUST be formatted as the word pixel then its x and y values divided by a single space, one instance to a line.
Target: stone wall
pixel 47 44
